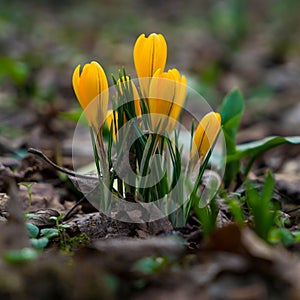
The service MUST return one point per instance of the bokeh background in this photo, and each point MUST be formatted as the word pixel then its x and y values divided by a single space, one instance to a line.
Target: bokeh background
pixel 218 45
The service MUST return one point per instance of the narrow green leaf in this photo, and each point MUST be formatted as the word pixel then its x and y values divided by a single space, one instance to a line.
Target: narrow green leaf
pixel 231 112
pixel 258 147
pixel 49 232
pixel 232 107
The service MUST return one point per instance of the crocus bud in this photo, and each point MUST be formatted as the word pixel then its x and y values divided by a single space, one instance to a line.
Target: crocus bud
pixel 91 89
pixel 149 54
pixel 166 96
pixel 205 135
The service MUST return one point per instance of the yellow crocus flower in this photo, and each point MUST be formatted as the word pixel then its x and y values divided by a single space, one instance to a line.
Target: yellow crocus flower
pixel 166 96
pixel 149 54
pixel 205 135
pixel 91 89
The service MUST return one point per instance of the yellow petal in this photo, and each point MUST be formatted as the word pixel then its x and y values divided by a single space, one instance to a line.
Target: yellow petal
pixel 161 96
pixel 149 54
pixel 166 97
pixel 92 82
pixel 75 82
pixel 111 121
pixel 179 102
pixel 205 135
pixel 88 86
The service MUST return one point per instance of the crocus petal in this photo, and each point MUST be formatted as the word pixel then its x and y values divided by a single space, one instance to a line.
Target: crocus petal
pixel 112 120
pixel 205 135
pixel 88 86
pixel 149 54
pixel 179 103
pixel 75 82
pixel 166 96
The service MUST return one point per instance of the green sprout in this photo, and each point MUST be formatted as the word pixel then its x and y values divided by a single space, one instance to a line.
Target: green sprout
pixel 28 187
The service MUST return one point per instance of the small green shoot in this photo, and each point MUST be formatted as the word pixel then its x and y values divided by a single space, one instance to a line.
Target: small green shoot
pixel 28 187
pixel 49 232
pixel 61 231
pixel 207 216
pixel 282 235
pixel 263 210
pixel 236 208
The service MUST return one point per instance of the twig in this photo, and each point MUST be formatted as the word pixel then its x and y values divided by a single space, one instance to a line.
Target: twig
pixel 61 169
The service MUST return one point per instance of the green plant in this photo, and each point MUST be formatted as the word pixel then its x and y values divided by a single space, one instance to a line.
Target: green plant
pixel 28 187
pixel 264 212
pixel 207 215
pixel 37 237
pixel 142 129
pixel 60 231
pixel 39 240
pixel 235 206
pixel 231 112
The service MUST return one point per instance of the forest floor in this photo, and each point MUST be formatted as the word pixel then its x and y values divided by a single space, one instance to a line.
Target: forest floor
pixel 93 256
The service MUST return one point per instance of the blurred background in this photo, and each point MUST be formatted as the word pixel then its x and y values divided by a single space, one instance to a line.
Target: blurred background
pixel 218 45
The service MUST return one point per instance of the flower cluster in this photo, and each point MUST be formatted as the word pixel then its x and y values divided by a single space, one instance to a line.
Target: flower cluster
pixel 163 92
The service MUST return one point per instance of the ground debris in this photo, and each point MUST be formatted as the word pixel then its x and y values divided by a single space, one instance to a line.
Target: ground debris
pixel 13 232
pixel 134 248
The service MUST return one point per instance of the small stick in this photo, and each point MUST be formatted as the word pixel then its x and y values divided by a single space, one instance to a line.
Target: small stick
pixel 61 169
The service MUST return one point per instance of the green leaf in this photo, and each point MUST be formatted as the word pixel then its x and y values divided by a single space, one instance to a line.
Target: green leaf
pixel 232 108
pixel 231 112
pixel 262 209
pixel 268 189
pixel 39 243
pixel 256 148
pixel 50 232
pixel 32 230
pixel 296 235
pixel 30 215
pixel 236 210
pixel 207 216
pixel 20 256
pixel 282 235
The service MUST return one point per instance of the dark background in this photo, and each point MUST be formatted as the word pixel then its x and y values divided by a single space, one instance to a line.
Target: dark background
pixel 218 45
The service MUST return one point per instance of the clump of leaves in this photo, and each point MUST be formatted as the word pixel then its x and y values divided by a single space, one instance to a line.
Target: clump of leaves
pixel 231 112
pixel 207 216
pixel 263 210
pixel 37 239
pixel 66 243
